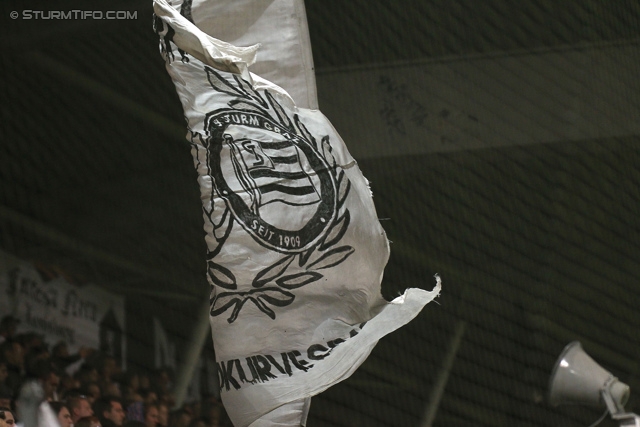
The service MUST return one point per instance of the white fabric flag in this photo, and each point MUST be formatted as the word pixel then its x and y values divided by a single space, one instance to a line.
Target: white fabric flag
pixel 280 26
pixel 295 250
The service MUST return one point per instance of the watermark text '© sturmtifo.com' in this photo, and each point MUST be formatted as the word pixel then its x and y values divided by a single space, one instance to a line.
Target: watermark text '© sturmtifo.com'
pixel 28 14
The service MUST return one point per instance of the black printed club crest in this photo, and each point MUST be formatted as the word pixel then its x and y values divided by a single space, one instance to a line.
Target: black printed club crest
pixel 282 186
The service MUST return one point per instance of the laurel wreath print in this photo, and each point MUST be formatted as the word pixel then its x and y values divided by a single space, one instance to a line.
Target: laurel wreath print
pixel 272 286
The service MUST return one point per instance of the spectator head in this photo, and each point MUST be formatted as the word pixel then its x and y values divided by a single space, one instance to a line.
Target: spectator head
pixel 79 407
pixel 149 397
pixel 92 391
pixel 214 413
pixel 7 417
pixel 161 380
pixel 180 418
pixel 63 414
pixel 163 414
pixel 44 370
pixel 112 388
pixel 68 384
pixel 110 408
pixel 33 344
pixel 87 374
pixel 50 385
pixel 143 382
pixel 109 367
pixel 131 380
pixel 91 421
pixel 151 415
pixel 13 353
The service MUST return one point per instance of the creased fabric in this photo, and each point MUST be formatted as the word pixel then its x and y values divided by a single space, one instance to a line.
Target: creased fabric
pixel 295 250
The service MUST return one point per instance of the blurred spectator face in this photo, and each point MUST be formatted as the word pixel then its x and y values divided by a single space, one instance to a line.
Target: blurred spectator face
pixel 115 414
pixel 81 410
pixel 34 343
pixel 64 417
pixel 15 355
pixel 93 375
pixel 93 393
pixel 184 420
pixel 112 389
pixel 50 384
pixel 143 382
pixel 110 367
pixel 68 383
pixel 163 415
pixel 85 408
pixel 150 398
pixel 88 422
pixel 214 415
pixel 7 420
pixel 151 418
pixel 134 382
pixel 162 380
pixel 135 397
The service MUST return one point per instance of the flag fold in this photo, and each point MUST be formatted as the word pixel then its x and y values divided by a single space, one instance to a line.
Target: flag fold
pixel 295 250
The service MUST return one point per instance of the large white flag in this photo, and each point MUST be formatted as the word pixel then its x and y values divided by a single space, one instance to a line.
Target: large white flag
pixel 295 250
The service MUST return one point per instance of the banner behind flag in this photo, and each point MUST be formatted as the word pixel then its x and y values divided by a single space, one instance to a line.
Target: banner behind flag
pixel 295 250
pixel 80 316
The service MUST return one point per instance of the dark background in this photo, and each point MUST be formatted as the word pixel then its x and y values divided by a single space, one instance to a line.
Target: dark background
pixel 537 245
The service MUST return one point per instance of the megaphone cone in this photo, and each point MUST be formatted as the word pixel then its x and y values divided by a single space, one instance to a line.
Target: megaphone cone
pixel 578 379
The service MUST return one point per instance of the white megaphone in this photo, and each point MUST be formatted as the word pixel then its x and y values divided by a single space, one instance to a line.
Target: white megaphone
pixel 577 379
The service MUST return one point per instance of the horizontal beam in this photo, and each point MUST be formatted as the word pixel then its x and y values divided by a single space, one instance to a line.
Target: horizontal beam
pixel 72 76
pixel 87 250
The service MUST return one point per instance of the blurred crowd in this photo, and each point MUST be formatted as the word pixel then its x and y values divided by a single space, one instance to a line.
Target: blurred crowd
pixel 89 388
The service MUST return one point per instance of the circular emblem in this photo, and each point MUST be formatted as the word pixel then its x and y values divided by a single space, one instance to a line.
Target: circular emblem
pixel 275 182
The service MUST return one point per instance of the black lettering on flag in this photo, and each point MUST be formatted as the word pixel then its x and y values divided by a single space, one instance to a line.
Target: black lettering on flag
pixel 317 352
pixel 241 373
pixel 334 343
pixel 278 367
pixel 226 375
pixel 300 364
pixel 285 362
pixel 264 368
